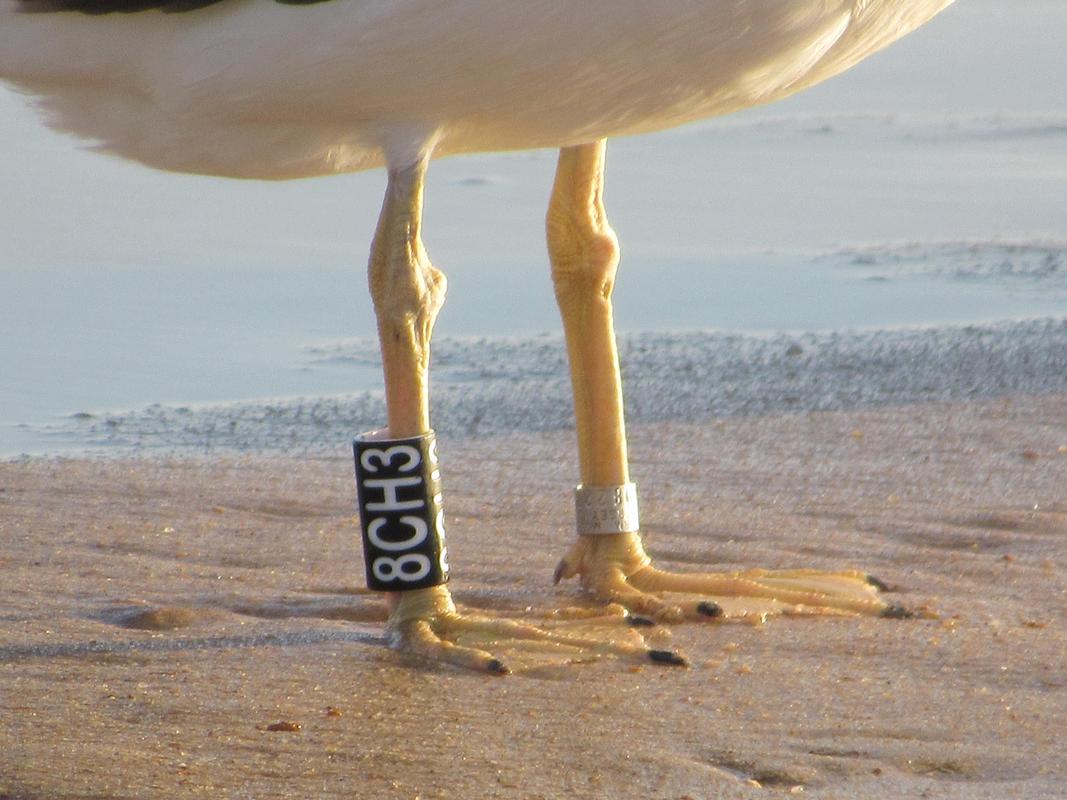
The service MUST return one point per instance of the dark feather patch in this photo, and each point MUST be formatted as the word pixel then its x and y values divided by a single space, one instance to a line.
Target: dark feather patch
pixel 130 6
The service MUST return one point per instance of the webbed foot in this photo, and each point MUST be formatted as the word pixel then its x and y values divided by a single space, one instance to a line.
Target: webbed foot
pixel 427 623
pixel 616 568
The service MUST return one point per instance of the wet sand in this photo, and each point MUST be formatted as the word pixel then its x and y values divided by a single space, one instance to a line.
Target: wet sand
pixel 161 614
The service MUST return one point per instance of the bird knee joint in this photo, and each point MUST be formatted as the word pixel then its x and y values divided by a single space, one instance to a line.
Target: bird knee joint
pixel 585 264
pixel 401 298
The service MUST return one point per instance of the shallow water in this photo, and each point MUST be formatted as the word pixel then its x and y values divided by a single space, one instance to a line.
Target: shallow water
pixel 924 188
pixel 126 339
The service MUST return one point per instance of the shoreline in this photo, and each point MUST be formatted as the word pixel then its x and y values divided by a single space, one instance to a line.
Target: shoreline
pixel 499 385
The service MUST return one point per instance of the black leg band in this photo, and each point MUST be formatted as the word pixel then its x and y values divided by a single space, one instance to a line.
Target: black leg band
pixel 398 485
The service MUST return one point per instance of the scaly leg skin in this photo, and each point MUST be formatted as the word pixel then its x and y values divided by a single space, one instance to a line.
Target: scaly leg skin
pixel 584 254
pixel 408 293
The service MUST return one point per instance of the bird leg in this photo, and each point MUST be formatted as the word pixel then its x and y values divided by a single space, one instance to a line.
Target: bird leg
pixel 611 561
pixel 408 291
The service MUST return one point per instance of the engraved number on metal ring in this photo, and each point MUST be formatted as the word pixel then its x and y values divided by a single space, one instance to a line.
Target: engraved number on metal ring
pixel 391 569
pixel 419 531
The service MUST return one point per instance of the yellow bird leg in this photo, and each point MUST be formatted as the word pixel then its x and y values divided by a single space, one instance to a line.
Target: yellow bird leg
pixel 408 292
pixel 584 254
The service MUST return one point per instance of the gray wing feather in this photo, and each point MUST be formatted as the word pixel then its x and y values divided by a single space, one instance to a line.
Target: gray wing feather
pixel 130 6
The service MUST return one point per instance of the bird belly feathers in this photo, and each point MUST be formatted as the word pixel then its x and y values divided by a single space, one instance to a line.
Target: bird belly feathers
pixel 247 88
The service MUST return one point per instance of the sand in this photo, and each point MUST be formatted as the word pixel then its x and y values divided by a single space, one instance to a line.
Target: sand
pixel 163 613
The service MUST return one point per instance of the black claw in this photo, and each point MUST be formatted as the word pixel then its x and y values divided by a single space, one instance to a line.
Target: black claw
pixel 879 584
pixel 709 609
pixel 635 621
pixel 668 657
pixel 898 612
pixel 497 667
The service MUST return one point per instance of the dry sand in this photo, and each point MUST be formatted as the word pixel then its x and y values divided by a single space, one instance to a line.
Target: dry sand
pixel 161 614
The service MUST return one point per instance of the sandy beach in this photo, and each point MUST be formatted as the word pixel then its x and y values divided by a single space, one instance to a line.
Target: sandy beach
pixel 843 344
pixel 163 613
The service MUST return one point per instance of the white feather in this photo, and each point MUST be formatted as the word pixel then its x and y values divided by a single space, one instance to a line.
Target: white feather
pixel 253 88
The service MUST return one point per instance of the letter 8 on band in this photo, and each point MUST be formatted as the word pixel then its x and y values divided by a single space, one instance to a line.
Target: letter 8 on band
pixel 390 569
